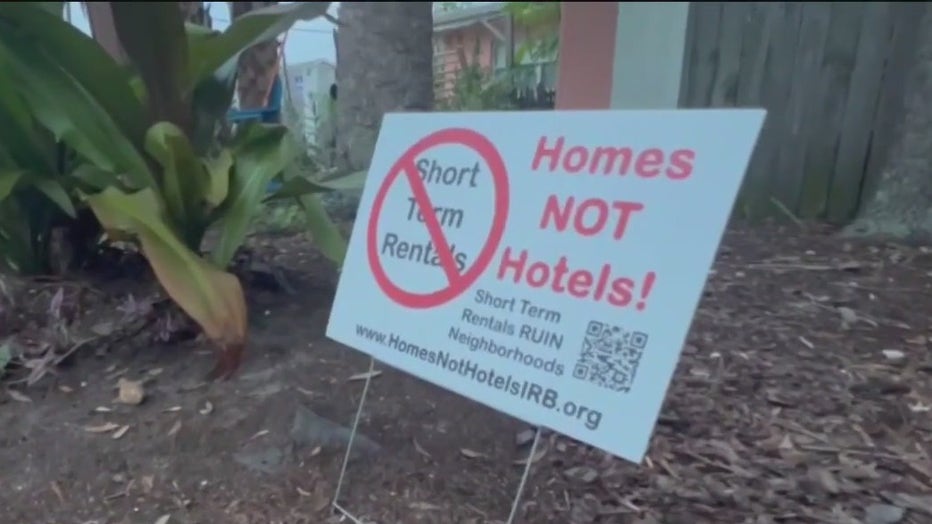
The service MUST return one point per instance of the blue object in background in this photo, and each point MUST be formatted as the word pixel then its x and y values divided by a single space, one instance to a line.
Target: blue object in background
pixel 270 114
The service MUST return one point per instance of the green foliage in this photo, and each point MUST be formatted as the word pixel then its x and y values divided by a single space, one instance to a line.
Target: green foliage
pixel 534 14
pixel 543 19
pixel 476 90
pixel 33 183
pixel 149 162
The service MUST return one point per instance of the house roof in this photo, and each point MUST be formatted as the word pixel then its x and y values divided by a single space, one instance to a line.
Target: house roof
pixel 465 16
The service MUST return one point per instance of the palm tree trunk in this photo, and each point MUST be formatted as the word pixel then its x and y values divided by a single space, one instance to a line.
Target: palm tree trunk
pixel 103 29
pixel 384 64
pixel 100 19
pixel 257 66
pixel 196 13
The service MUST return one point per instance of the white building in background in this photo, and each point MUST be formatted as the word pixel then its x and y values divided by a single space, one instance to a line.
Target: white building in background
pixel 307 101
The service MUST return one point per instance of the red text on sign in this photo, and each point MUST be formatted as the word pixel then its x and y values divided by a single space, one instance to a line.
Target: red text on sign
pixel 554 155
pixel 589 217
pixel 580 283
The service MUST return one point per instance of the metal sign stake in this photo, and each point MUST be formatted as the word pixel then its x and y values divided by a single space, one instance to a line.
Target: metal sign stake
pixel 516 502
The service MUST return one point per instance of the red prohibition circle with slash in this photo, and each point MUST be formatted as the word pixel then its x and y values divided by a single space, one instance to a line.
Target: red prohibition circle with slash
pixel 457 282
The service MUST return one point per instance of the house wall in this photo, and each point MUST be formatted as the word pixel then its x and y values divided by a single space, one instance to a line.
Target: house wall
pixel 310 90
pixel 480 47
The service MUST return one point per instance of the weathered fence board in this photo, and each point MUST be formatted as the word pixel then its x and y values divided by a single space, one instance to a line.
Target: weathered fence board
pixel 829 74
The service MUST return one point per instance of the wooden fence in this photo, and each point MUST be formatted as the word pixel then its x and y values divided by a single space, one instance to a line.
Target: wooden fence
pixel 830 75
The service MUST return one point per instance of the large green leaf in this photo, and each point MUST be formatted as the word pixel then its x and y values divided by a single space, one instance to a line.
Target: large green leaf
pixel 184 180
pixel 218 168
pixel 50 187
pixel 56 192
pixel 297 186
pixel 261 152
pixel 83 59
pixel 8 180
pixel 163 68
pixel 212 297
pixel 21 140
pixel 323 231
pixel 91 179
pixel 23 244
pixel 65 107
pixel 55 8
pixel 211 53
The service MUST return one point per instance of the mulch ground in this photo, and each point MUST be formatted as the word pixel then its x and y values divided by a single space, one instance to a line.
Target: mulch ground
pixel 804 394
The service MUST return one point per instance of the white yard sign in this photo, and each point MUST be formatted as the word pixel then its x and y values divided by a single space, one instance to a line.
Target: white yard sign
pixel 547 264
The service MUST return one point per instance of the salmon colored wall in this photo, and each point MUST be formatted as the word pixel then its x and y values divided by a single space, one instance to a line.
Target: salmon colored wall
pixel 467 39
pixel 470 35
pixel 587 54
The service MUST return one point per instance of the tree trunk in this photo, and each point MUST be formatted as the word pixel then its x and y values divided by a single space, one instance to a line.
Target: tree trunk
pixel 196 13
pixel 901 206
pixel 384 64
pixel 257 66
pixel 100 18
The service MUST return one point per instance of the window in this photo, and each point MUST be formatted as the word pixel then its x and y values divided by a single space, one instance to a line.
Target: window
pixel 499 55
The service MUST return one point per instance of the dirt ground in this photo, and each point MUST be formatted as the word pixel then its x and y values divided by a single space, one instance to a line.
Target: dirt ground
pixel 804 394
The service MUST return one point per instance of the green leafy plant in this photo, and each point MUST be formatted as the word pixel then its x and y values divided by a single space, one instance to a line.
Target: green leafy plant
pixel 541 20
pixel 476 90
pixel 33 186
pixel 151 166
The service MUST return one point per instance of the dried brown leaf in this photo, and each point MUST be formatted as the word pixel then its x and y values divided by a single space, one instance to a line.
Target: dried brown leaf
pixel 583 474
pixel 118 434
pixel 148 482
pixel 56 489
pixel 259 434
pixel 421 450
pixel 103 329
pixel 106 427
pixel 848 317
pixel 424 506
pixel 525 437
pixel 131 392
pixel 538 454
pixel 17 396
pixel 856 470
pixel 826 480
pixel 468 453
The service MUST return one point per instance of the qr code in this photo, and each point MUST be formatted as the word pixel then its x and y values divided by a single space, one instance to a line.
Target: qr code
pixel 609 356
